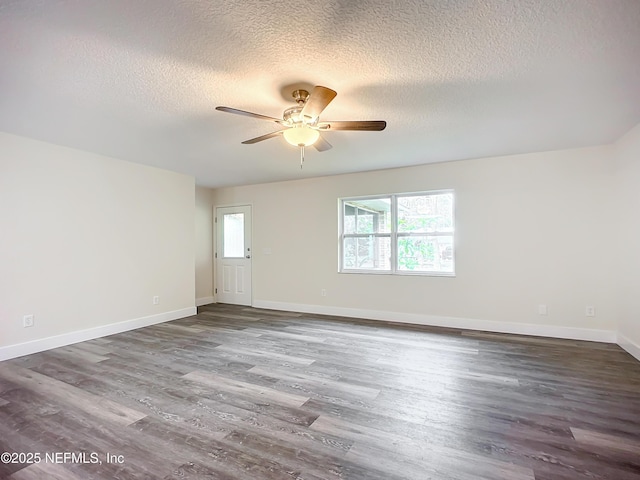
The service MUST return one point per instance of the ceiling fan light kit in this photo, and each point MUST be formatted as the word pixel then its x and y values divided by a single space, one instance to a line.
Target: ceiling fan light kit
pixel 301 136
pixel 301 123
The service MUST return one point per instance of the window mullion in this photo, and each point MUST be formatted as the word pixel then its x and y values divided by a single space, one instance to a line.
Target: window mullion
pixel 394 234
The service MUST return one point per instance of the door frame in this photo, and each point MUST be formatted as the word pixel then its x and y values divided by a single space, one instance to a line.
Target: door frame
pixel 215 245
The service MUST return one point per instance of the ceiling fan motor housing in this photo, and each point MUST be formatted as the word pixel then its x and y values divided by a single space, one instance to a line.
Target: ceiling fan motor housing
pixel 300 96
pixel 293 117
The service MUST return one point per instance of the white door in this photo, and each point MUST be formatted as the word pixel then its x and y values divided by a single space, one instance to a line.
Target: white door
pixel 233 255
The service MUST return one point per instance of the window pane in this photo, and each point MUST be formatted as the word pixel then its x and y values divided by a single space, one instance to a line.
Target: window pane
pixel 367 216
pixel 425 213
pixel 233 228
pixel 423 253
pixel 367 253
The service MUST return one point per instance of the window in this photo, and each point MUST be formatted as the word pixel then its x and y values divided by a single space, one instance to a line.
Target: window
pixel 408 233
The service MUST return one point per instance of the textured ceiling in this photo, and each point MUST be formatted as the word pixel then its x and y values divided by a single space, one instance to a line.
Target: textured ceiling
pixel 139 80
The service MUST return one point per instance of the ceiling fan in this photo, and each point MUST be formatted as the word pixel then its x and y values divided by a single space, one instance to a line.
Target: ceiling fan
pixel 301 125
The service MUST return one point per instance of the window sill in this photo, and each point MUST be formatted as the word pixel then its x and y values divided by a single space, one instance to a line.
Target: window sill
pixel 402 274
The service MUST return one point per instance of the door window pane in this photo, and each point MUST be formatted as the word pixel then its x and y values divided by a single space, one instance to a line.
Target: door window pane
pixel 233 242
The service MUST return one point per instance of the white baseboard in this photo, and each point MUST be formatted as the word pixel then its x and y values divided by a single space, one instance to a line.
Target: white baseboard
pixel 629 345
pixel 572 333
pixel 204 301
pixel 35 346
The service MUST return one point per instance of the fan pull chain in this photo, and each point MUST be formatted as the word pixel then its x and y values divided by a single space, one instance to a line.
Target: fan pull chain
pixel 301 156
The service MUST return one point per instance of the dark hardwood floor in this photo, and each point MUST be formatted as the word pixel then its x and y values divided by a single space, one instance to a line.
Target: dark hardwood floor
pixel 242 393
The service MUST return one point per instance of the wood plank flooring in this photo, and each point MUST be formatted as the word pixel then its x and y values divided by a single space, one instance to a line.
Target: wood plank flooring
pixel 242 393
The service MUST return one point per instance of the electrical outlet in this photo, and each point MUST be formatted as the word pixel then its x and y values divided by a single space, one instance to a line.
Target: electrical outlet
pixel 590 311
pixel 156 300
pixel 27 321
pixel 323 292
pixel 542 309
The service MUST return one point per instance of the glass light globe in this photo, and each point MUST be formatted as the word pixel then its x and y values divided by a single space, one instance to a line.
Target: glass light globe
pixel 301 136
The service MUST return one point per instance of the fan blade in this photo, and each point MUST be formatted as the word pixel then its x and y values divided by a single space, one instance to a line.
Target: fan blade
pixel 365 125
pixel 263 137
pixel 321 144
pixel 318 100
pixel 247 114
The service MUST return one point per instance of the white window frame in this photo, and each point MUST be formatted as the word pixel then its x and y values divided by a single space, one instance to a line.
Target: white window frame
pixel 393 235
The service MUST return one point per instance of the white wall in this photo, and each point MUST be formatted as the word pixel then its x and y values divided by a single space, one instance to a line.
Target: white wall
pixel 531 229
pixel 627 239
pixel 204 246
pixel 86 243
